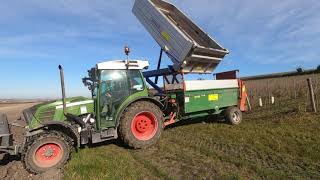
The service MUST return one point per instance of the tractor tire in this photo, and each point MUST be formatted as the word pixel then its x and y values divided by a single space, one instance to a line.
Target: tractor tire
pixel 233 115
pixel 141 125
pixel 46 151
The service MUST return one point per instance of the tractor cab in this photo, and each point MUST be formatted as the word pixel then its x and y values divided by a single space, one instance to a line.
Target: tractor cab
pixel 112 83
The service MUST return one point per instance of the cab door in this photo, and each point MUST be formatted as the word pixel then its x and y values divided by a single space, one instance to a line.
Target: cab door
pixel 114 89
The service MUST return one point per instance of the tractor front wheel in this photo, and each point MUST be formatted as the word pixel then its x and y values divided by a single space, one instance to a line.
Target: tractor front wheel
pixel 46 151
pixel 141 125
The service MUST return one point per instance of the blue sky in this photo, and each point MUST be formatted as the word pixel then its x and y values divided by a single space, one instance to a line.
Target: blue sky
pixel 263 36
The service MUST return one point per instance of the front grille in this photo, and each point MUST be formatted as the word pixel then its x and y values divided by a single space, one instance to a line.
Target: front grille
pixel 29 113
pixel 47 115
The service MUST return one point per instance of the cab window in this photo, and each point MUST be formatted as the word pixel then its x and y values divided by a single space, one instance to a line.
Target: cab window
pixel 136 81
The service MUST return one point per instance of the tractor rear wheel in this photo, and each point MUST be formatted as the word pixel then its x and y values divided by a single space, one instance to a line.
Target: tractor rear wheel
pixel 233 115
pixel 50 150
pixel 141 125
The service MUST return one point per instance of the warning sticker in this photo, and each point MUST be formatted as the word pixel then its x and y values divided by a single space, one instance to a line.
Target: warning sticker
pixel 213 97
pixel 165 35
pixel 83 109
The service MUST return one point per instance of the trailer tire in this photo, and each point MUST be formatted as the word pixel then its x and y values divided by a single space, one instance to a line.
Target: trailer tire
pixel 46 151
pixel 233 115
pixel 141 125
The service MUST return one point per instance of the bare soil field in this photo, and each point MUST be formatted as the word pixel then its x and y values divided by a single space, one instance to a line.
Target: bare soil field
pixel 11 168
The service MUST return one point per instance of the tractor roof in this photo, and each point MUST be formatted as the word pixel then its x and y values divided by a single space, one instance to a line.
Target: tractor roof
pixel 123 64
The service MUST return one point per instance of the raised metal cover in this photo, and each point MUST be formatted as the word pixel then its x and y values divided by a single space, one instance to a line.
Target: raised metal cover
pixel 187 45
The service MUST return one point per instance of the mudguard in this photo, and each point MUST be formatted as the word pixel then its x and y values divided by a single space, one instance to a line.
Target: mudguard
pixel 59 126
pixel 153 100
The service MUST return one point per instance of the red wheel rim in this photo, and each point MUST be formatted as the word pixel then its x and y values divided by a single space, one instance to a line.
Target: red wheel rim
pixel 48 155
pixel 144 126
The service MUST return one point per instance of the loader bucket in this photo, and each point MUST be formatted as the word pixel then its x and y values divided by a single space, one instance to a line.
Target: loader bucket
pixel 6 141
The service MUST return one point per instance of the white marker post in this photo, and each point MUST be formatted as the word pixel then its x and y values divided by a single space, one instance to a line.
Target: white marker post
pixel 272 100
pixel 260 102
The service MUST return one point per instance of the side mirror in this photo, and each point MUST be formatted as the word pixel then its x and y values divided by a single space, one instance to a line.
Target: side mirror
pixel 93 74
pixel 85 81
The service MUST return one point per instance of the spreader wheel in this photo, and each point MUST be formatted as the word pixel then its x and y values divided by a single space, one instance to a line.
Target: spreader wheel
pixel 141 125
pixel 47 151
pixel 233 115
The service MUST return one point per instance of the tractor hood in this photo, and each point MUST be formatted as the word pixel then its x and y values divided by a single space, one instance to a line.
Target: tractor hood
pixel 53 110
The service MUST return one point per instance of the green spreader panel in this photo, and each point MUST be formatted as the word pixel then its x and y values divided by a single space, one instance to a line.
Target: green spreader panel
pixel 215 99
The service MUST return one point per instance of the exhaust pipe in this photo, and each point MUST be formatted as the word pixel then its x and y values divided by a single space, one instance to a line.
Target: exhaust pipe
pixel 69 116
pixel 63 90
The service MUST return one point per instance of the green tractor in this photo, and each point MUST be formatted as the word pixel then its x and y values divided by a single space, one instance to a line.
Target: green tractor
pixel 120 106
pixel 123 106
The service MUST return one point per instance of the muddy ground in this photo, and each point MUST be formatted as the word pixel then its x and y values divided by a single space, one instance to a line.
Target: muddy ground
pixel 11 168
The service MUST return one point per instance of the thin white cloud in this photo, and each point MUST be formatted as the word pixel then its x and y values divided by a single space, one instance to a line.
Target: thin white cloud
pixel 262 31
pixel 11 52
pixel 285 31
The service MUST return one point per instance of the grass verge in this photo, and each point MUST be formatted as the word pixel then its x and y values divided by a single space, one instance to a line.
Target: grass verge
pixel 281 143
